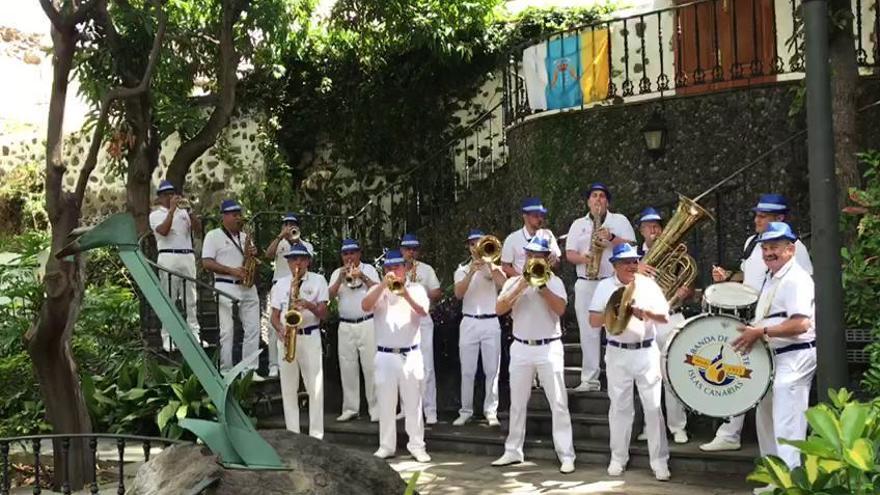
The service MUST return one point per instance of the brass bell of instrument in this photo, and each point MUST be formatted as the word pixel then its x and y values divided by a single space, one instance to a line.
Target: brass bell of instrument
pixel 537 272
pixel 488 249
pixel 293 318
pixel 294 234
pixel 618 310
pixel 395 285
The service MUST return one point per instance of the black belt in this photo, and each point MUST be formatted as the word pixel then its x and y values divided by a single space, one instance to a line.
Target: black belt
pixel 795 347
pixel 535 341
pixel 307 330
pixel 228 281
pixel 176 251
pixel 781 314
pixel 397 350
pixel 480 317
pixel 356 320
pixel 631 346
pixel 591 279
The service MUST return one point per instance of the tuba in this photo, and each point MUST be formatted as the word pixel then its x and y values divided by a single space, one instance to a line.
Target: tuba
pixel 250 262
pixel 596 247
pixel 488 249
pixel 293 318
pixel 537 272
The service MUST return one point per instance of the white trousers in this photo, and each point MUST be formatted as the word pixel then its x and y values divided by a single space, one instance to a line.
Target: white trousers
pixel 731 431
pixel 479 338
pixel 310 364
pixel 549 364
pixel 622 368
pixel 267 331
pixel 399 374
pixel 591 337
pixel 676 415
pixel 357 340
pixel 248 313
pixel 429 385
pixel 782 412
pixel 178 288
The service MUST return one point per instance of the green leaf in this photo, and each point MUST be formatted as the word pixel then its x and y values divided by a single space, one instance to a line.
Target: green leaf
pixel 181 411
pixel 814 445
pixel 178 391
pixel 166 413
pixel 853 421
pixel 773 471
pixel 861 455
pixel 135 394
pixel 824 423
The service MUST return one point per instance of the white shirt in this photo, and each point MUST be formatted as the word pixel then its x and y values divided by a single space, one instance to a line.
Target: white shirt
pixel 481 294
pixel 396 323
pixel 580 239
pixel 789 291
pixel 223 250
pixel 179 236
pixel 425 276
pixel 513 249
pixel 350 299
pixel 282 269
pixel 313 288
pixel 754 268
pixel 532 317
pixel 647 296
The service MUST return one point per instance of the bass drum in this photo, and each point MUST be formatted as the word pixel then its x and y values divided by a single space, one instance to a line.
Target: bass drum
pixel 708 375
pixel 730 298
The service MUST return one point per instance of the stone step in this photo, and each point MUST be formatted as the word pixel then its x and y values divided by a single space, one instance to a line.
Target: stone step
pixel 583 425
pixel 477 438
pixel 581 402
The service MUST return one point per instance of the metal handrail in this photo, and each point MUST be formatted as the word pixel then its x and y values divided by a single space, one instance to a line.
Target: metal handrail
pixel 53 436
pixel 193 280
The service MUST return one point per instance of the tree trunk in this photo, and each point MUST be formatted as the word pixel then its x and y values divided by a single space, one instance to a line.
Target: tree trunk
pixel 142 160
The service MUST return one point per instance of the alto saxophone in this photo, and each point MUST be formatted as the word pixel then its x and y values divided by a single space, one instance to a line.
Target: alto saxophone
pixel 292 318
pixel 250 261
pixel 596 248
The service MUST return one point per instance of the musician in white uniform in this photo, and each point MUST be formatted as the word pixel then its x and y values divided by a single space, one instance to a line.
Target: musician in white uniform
pixel 172 227
pixel 650 227
pixel 770 208
pixel 424 274
pixel 784 316
pixel 614 229
pixel 223 253
pixel 633 356
pixel 311 302
pixel 537 349
pixel 276 251
pixel 356 333
pixel 513 257
pixel 398 364
pixel 476 285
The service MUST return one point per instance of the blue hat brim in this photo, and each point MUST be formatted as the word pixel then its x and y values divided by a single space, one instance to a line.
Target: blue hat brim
pixel 532 209
pixel 231 209
pixel 293 254
pixel 650 218
pixel 165 189
pixel 393 262
pixel 410 244
pixel 346 249
pixel 780 237
pixel 634 256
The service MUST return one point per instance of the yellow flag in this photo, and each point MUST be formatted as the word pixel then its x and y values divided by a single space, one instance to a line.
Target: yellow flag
pixel 594 64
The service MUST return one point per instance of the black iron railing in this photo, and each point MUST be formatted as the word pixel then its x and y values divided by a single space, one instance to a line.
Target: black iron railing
pixel 700 46
pixel 59 477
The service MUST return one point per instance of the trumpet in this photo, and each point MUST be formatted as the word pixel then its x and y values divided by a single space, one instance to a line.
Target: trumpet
pixel 488 249
pixel 352 279
pixel 294 235
pixel 184 204
pixel 394 284
pixel 537 272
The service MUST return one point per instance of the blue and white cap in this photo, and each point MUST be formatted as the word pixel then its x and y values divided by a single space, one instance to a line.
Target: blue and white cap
pixel 538 245
pixel 229 206
pixel 475 234
pixel 649 215
pixel 625 251
pixel 393 257
pixel 290 217
pixel 533 205
pixel 410 241
pixel 771 203
pixel 350 245
pixel 298 249
pixel 165 186
pixel 598 186
pixel 776 231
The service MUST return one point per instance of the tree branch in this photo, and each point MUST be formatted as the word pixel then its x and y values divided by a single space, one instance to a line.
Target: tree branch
pixel 67 21
pixel 116 94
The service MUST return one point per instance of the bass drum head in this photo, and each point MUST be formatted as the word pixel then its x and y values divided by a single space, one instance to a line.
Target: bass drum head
pixel 730 295
pixel 708 376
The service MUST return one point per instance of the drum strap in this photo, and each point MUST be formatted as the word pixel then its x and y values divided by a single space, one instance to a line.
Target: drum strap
pixel 781 314
pixel 750 247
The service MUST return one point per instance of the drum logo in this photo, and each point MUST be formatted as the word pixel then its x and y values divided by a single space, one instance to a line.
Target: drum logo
pixel 716 368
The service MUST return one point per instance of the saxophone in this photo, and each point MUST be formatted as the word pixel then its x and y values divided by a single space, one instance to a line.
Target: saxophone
pixel 292 318
pixel 412 271
pixel 596 247
pixel 250 262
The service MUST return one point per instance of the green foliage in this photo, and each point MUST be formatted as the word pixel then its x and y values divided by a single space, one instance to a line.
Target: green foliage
pixel 21 200
pixel 839 456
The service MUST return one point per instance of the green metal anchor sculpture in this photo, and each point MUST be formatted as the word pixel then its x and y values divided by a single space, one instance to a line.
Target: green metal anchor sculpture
pixel 233 438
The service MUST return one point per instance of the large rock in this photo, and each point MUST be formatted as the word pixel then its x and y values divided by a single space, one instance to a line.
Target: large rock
pixel 316 468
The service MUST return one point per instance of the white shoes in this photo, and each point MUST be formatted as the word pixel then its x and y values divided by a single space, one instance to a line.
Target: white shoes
pixel 680 436
pixel 432 420
pixel 763 490
pixel 461 420
pixel 420 456
pixel 400 415
pixel 346 416
pixel 588 387
pixel 615 469
pixel 566 467
pixel 383 454
pixel 662 474
pixel 256 377
pixel 374 419
pixel 719 444
pixel 643 436
pixel 506 460
pixel 273 372
pixel 493 420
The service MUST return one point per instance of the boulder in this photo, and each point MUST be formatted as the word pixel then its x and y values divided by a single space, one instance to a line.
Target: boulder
pixel 316 467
